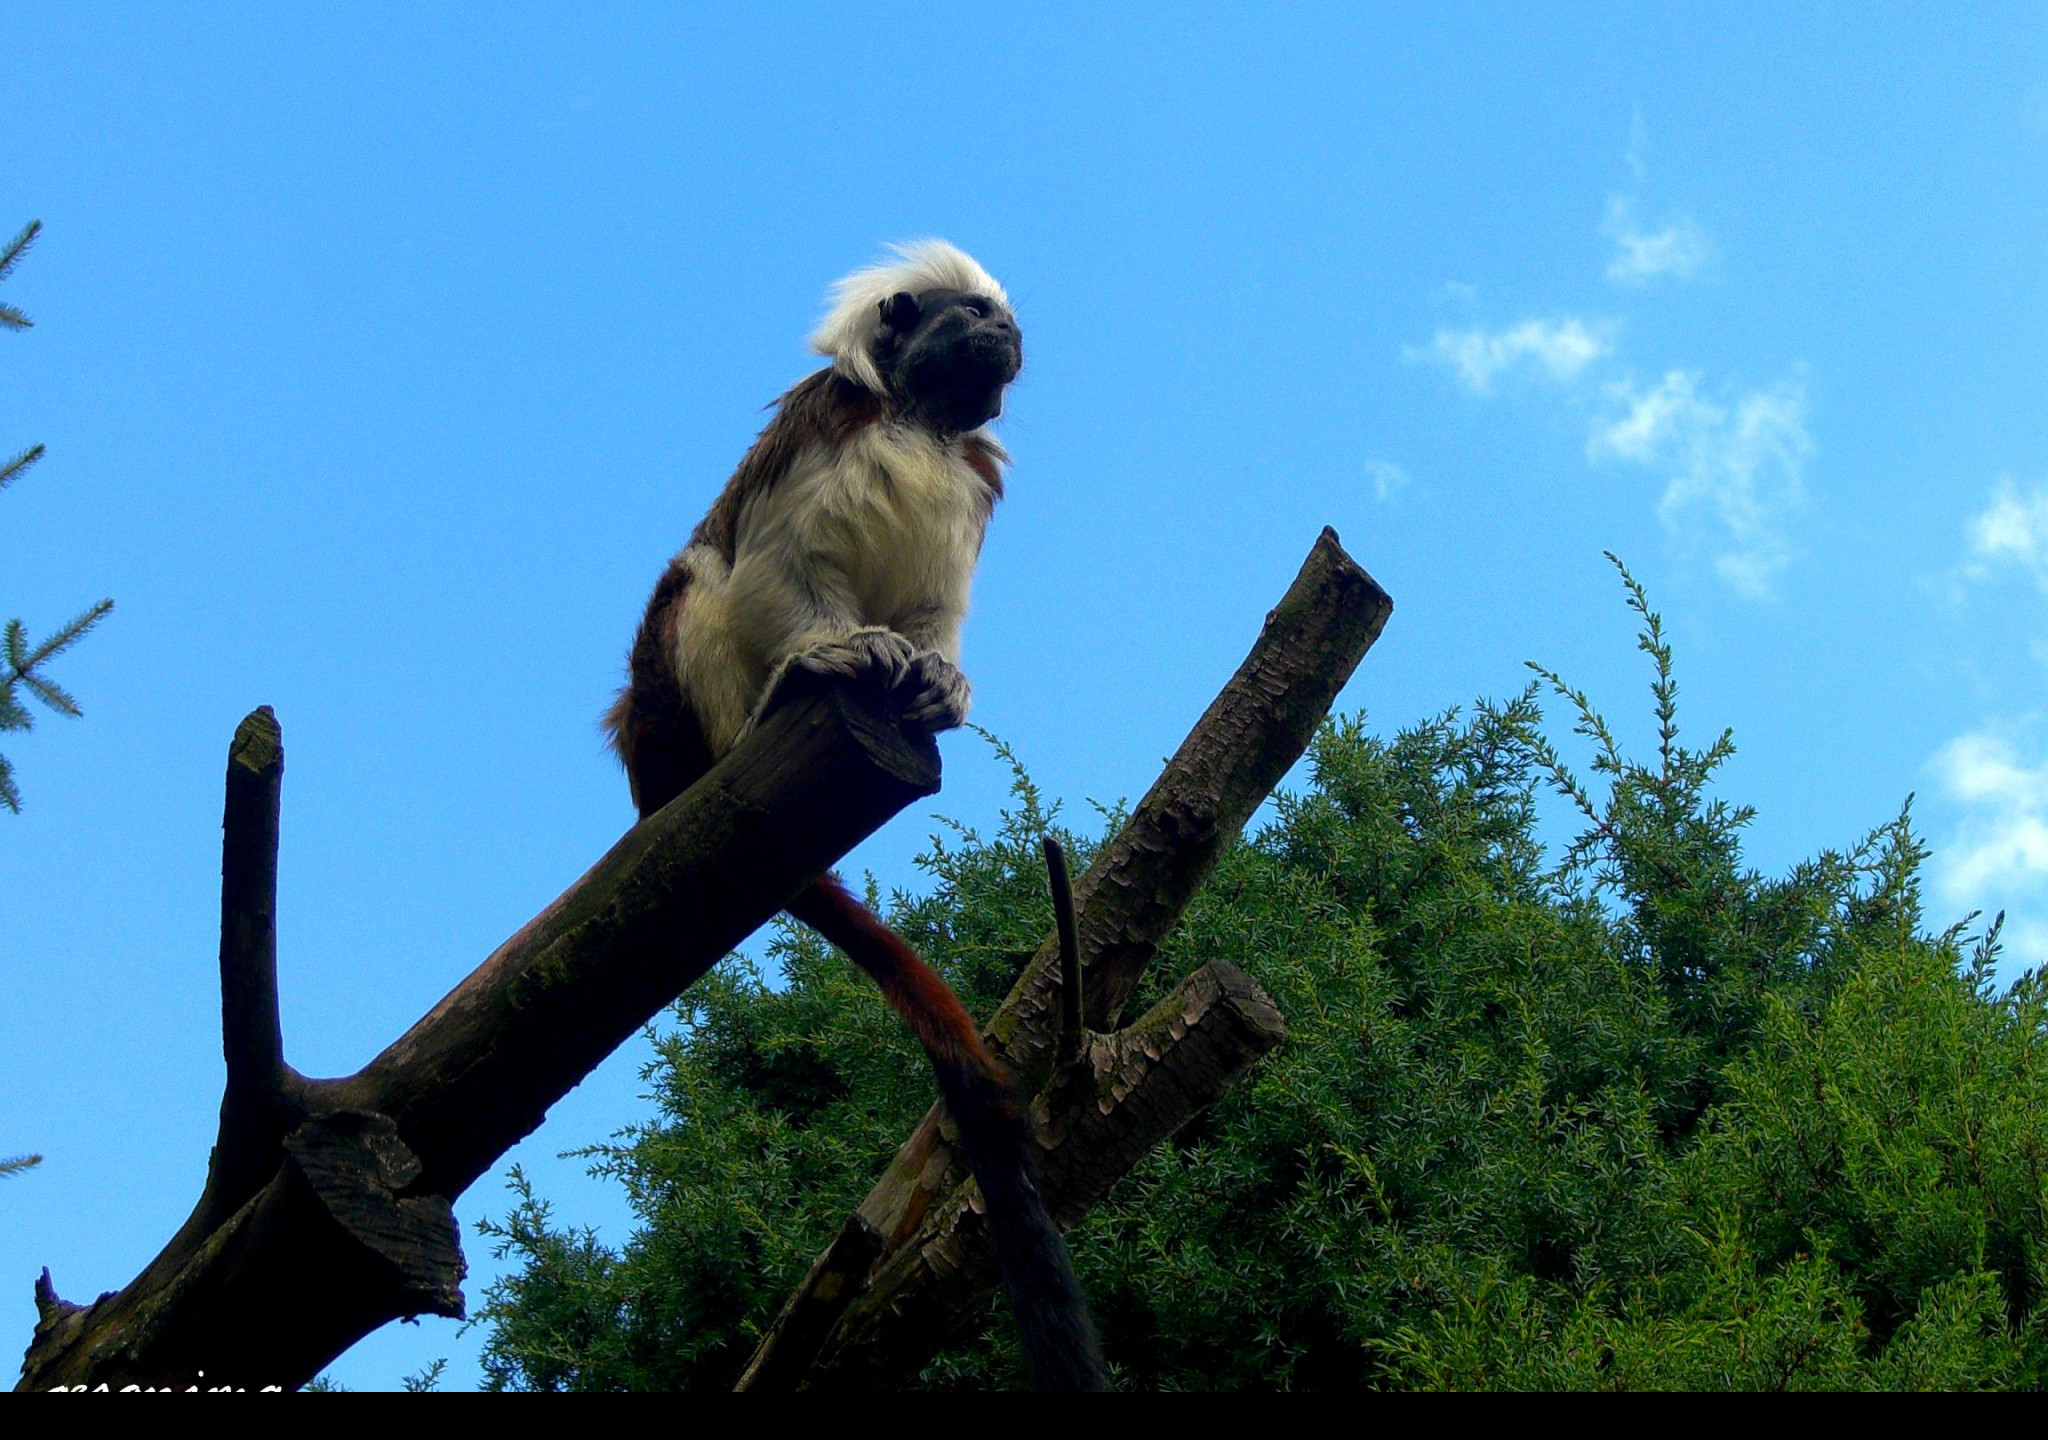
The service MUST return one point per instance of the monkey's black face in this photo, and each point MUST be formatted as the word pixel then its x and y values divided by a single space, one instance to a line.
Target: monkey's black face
pixel 947 356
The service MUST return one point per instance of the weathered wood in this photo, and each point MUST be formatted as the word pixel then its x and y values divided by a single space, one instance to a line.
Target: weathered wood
pixel 685 886
pixel 262 1100
pixel 1130 1091
pixel 1134 893
pixel 257 1101
pixel 328 1205
pixel 1073 1023
pixel 813 1308
pixel 1250 736
pixel 251 1040
pixel 334 1216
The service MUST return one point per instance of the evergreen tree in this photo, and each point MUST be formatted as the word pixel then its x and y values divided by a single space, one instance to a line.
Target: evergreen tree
pixel 1630 1115
pixel 22 662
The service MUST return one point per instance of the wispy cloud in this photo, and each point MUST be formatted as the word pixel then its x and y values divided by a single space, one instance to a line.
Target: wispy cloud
pixel 1677 251
pixel 1386 477
pixel 1560 349
pixel 1732 463
pixel 1998 857
pixel 1735 466
pixel 2011 533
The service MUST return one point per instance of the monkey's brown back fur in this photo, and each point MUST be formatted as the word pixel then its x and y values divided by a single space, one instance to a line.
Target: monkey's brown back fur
pixel 845 542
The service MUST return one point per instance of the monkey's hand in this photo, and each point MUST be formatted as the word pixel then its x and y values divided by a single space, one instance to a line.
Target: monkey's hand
pixel 931 690
pixel 871 650
pixel 936 694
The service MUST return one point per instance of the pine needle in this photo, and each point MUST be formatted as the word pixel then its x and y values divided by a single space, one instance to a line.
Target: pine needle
pixel 51 694
pixel 19 665
pixel 18 246
pixel 68 635
pixel 18 464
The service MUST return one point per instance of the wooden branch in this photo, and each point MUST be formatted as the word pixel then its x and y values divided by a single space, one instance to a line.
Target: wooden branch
pixel 477 1074
pixel 248 908
pixel 1250 736
pixel 1129 901
pixel 1129 1091
pixel 256 1102
pixel 1073 1027
pixel 331 1214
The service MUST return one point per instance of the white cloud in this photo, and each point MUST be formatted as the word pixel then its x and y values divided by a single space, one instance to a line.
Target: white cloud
pixel 1558 348
pixel 2012 531
pixel 1732 464
pixel 1998 857
pixel 1740 463
pixel 1678 250
pixel 1386 477
pixel 1638 151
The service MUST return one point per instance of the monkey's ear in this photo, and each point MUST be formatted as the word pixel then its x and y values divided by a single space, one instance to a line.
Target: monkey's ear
pixel 899 312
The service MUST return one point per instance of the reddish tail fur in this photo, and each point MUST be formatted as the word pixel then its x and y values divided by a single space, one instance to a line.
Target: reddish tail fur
pixel 1052 1315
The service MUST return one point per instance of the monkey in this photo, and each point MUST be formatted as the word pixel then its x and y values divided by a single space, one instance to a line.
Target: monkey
pixel 845 544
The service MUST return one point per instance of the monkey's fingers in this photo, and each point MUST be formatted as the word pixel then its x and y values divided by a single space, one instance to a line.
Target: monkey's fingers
pixel 937 693
pixel 872 650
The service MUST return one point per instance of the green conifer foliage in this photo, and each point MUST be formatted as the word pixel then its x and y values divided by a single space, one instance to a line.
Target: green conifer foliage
pixel 22 660
pixel 1617 1114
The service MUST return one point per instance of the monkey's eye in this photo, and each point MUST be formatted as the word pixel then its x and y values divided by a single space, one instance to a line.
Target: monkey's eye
pixel 899 312
pixel 977 306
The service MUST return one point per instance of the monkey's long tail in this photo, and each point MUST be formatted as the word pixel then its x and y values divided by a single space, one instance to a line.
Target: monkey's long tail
pixel 1052 1314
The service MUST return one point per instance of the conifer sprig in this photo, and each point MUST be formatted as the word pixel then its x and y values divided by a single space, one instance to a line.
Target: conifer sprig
pixel 16 467
pixel 11 318
pixel 21 669
pixel 20 662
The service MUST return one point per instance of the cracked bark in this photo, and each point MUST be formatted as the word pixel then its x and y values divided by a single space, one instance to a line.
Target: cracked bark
pixel 327 1208
pixel 908 1264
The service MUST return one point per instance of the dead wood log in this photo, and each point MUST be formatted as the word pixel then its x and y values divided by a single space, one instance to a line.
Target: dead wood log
pixel 1128 1091
pixel 882 1298
pixel 327 1208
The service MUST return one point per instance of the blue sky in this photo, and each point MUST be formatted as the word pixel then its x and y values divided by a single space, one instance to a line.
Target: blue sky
pixel 384 354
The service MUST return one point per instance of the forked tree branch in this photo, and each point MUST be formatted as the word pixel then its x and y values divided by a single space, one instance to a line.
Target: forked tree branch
pixel 907 1265
pixel 327 1211
pixel 327 1208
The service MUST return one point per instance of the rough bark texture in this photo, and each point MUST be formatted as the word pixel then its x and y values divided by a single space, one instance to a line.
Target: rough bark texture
pixel 872 1308
pixel 327 1206
pixel 1129 1091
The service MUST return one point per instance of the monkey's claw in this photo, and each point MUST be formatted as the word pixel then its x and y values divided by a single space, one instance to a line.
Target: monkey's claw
pixel 937 694
pixel 931 690
pixel 874 650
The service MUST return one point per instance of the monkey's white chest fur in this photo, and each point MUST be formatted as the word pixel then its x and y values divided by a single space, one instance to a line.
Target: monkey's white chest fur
pixel 882 530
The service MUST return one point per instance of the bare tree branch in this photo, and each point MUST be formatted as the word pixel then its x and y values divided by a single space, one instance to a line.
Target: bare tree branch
pixel 836 1326
pixel 327 1206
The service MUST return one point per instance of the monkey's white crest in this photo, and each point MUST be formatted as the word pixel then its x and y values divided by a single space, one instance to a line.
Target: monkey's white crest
pixel 848 331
